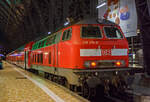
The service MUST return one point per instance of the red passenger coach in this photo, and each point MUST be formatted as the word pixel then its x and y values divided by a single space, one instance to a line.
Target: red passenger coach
pixel 21 56
pixel 85 53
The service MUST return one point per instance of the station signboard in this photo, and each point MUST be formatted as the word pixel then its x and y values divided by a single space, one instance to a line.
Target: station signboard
pixel 122 12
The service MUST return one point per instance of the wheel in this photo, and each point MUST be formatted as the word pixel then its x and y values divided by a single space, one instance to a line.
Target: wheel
pixel 51 77
pixel 86 91
pixel 46 75
pixel 67 85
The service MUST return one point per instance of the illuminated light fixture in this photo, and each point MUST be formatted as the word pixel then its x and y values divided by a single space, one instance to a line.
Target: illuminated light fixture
pixel 118 63
pixel 49 32
pixel 1 55
pixel 66 23
pixel 138 31
pixel 93 64
pixel 101 5
pixel 39 51
pixel 46 53
pixel 22 52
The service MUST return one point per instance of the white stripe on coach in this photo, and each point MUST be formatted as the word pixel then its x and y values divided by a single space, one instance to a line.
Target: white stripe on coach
pixel 90 52
pixel 119 52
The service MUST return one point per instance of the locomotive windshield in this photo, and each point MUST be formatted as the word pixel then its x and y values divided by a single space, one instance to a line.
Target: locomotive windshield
pixel 91 32
pixel 113 32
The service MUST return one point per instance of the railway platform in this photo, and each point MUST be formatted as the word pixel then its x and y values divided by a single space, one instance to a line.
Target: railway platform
pixel 18 85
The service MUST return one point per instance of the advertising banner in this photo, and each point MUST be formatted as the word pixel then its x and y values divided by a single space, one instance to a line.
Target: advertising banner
pixel 122 12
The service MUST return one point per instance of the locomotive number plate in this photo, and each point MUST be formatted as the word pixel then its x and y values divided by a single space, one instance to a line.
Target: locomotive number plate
pixel 106 52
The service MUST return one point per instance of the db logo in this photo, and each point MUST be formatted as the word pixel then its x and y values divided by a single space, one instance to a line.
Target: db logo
pixel 106 52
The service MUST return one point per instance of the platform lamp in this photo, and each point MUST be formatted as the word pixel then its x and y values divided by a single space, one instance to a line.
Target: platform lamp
pixel 102 3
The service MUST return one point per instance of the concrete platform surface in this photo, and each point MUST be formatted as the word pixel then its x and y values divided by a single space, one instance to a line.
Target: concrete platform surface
pixel 18 85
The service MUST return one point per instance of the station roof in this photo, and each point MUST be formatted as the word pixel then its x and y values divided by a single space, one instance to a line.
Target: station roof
pixel 11 14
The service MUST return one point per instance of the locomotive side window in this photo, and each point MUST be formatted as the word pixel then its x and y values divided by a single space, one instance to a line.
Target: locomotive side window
pixel 35 58
pixel 113 33
pixel 67 35
pixel 91 32
pixel 51 40
pixel 64 35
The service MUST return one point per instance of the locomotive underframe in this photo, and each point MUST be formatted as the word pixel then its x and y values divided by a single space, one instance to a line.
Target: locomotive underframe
pixel 92 77
pixel 113 81
pixel 99 76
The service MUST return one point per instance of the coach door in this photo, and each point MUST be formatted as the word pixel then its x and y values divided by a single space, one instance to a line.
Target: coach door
pixel 26 59
pixel 57 40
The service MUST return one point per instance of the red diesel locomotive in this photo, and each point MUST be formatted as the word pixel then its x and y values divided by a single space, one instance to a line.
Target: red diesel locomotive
pixel 80 55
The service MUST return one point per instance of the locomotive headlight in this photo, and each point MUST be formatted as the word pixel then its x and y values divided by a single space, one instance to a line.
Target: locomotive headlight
pixel 93 64
pixel 118 63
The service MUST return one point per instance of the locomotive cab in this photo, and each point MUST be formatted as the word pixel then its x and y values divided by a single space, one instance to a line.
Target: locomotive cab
pixel 101 46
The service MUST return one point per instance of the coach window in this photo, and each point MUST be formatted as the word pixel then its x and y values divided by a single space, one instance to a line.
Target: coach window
pixel 42 58
pixel 67 34
pixel 40 44
pixel 35 58
pixel 38 58
pixel 49 57
pixel 49 41
pixel 37 45
pixel 54 38
pixel 32 58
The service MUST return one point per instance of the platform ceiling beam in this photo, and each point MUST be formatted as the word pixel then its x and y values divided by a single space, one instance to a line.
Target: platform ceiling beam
pixel 35 4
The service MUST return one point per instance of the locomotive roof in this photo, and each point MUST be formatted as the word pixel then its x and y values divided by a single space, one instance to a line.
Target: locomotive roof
pixel 95 21
pixel 90 20
pixel 84 21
